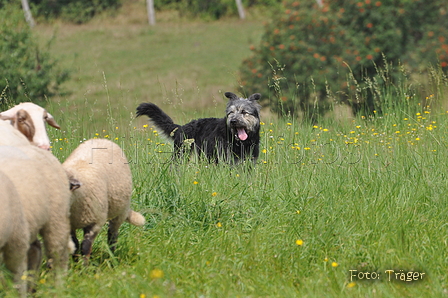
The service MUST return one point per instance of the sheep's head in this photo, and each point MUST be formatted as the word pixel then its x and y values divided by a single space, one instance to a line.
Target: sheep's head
pixel 30 119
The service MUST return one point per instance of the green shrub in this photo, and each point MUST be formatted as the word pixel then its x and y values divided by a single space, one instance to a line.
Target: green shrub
pixel 210 9
pixel 76 11
pixel 27 73
pixel 343 51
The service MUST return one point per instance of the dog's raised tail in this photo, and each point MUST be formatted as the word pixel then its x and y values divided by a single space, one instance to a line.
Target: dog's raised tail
pixel 158 118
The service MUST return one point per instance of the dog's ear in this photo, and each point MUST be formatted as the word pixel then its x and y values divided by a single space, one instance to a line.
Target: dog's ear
pixel 255 96
pixel 231 96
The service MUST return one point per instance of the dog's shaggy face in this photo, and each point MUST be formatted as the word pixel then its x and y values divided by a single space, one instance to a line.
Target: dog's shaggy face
pixel 243 115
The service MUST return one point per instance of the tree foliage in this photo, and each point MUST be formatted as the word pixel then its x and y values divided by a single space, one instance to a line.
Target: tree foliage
pixel 210 9
pixel 76 11
pixel 309 53
pixel 82 11
pixel 27 73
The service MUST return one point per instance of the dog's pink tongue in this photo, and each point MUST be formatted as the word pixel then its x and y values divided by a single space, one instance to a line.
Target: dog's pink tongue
pixel 242 135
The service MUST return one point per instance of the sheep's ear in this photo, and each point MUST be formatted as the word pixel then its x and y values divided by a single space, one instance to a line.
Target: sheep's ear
pixel 50 120
pixel 25 124
pixel 231 96
pixel 255 96
pixel 22 115
pixel 74 183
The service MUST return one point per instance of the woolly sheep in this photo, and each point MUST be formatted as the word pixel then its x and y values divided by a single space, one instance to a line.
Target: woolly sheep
pixel 10 136
pixel 102 168
pixel 43 188
pixel 14 233
pixel 30 119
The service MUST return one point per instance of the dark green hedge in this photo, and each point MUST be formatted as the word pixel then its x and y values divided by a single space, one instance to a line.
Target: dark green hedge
pixel 27 73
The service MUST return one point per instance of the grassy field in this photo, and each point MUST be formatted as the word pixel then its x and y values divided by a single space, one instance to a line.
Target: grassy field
pixel 185 66
pixel 365 194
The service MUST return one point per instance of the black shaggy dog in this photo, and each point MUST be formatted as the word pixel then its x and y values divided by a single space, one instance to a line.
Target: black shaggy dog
pixel 233 138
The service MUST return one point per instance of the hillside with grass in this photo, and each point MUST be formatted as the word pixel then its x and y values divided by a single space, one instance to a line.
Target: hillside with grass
pixel 118 62
pixel 347 207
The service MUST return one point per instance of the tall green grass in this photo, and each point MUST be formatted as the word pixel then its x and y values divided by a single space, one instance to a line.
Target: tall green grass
pixel 367 195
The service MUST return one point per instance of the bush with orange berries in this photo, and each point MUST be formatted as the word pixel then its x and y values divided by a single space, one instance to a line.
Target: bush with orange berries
pixel 343 51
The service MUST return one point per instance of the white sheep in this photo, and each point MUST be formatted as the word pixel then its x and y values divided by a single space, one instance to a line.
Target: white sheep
pixel 10 136
pixel 30 119
pixel 103 170
pixel 43 188
pixel 14 233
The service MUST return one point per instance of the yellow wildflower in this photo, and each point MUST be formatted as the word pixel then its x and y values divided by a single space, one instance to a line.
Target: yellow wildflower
pixel 156 273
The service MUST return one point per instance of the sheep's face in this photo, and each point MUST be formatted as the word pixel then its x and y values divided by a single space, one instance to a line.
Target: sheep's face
pixel 30 119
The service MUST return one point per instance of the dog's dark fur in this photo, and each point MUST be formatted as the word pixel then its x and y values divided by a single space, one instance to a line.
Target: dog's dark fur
pixel 233 138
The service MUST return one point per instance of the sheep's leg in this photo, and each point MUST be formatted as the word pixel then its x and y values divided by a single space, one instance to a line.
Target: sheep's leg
pixel 56 235
pixel 112 232
pixel 34 262
pixel 34 256
pixel 76 242
pixel 90 234
pixel 14 257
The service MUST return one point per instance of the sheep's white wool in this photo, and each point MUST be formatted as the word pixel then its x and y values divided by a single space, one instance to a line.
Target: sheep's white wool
pixel 105 191
pixel 42 189
pixel 11 137
pixel 14 233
